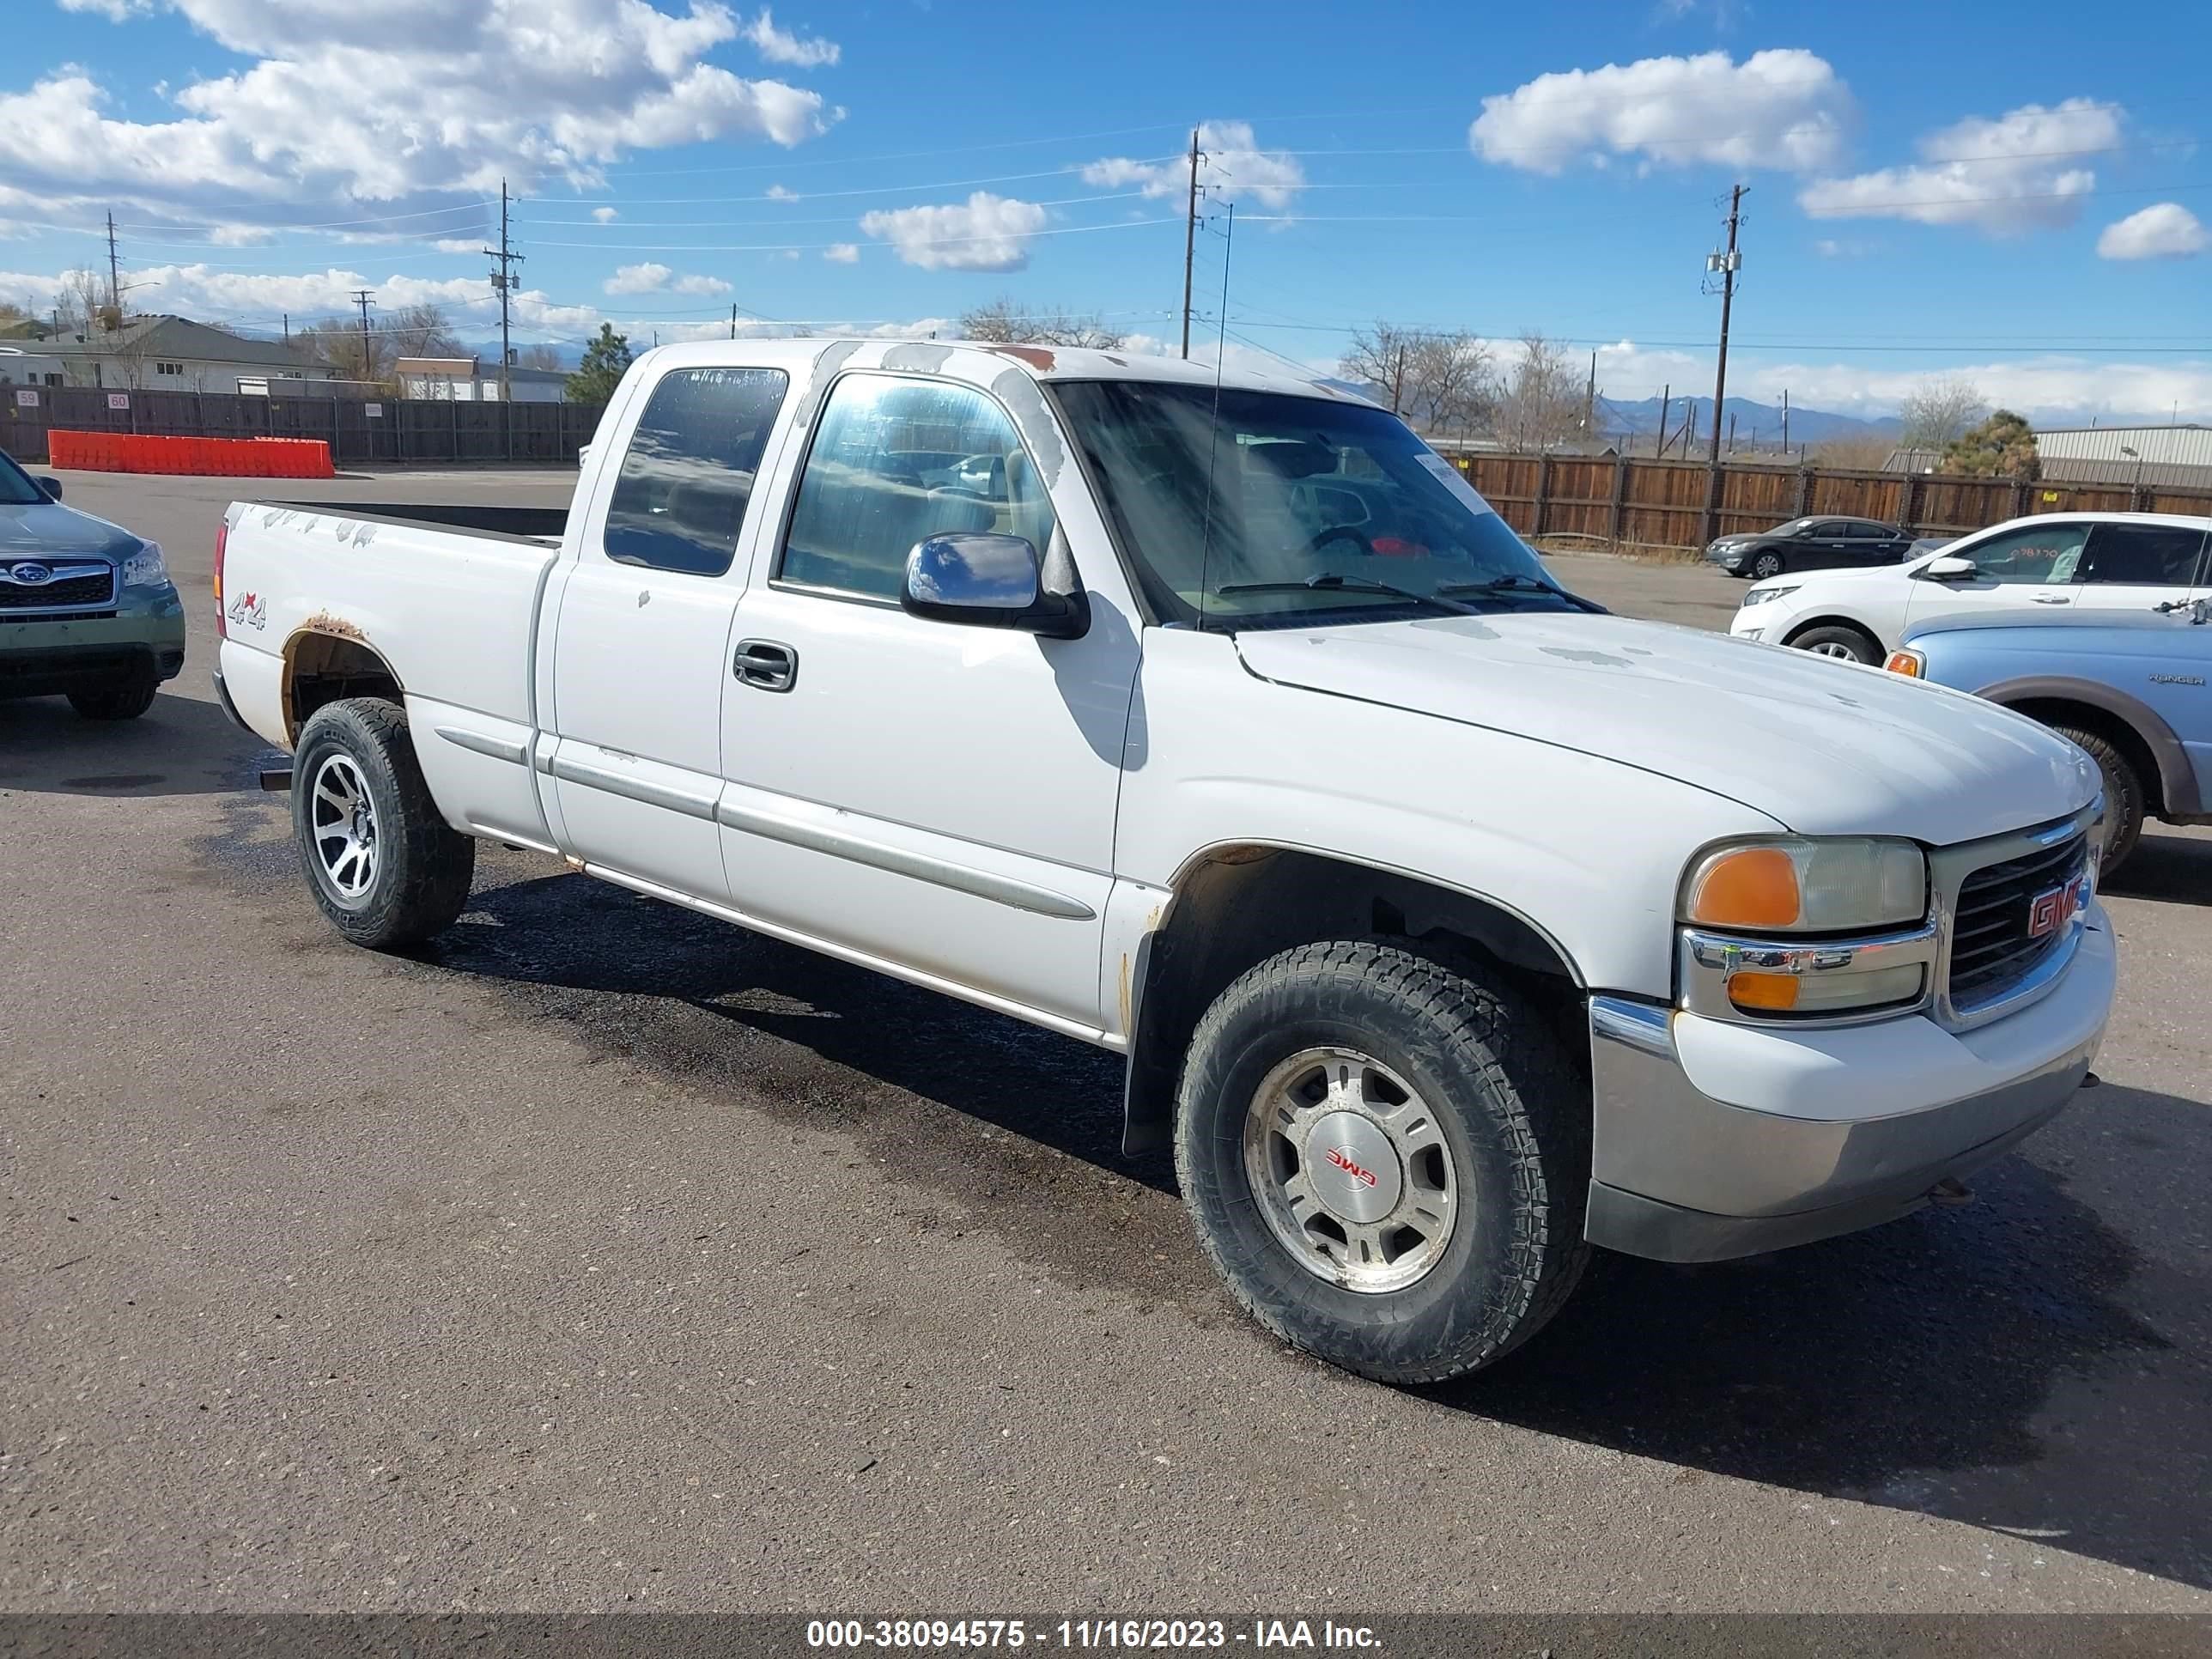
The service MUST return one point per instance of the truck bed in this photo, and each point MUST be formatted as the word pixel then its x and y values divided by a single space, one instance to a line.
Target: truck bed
pixel 482 518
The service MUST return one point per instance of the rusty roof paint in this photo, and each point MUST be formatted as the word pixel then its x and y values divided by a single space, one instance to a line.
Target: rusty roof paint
pixel 1036 356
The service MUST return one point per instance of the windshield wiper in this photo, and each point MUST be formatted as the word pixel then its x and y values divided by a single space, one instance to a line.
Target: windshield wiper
pixel 1330 582
pixel 1516 582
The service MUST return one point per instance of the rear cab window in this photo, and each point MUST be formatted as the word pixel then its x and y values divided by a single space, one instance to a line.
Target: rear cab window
pixel 679 501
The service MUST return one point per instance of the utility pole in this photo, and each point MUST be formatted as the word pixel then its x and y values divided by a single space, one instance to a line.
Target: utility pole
pixel 1726 265
pixel 1589 397
pixel 362 296
pixel 287 328
pixel 1785 420
pixel 733 322
pixel 114 274
pixel 1189 241
pixel 1666 396
pixel 1398 380
pixel 502 280
pixel 1731 434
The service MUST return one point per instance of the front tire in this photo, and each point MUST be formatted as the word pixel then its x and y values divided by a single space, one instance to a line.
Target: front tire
pixel 1768 563
pixel 124 699
pixel 2124 796
pixel 1846 644
pixel 1387 1160
pixel 384 865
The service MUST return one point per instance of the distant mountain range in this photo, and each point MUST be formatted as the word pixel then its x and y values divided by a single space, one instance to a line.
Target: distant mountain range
pixel 1807 426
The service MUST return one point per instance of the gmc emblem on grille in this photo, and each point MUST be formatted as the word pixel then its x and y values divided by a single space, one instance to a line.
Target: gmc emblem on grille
pixel 2048 911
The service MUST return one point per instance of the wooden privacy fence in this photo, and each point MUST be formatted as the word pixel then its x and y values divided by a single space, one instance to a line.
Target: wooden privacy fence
pixel 388 431
pixel 1624 503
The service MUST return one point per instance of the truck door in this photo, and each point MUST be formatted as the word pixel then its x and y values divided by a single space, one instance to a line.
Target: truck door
pixel 640 646
pixel 933 794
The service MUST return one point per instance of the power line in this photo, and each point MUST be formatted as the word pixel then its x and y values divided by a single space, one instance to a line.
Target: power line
pixel 803 247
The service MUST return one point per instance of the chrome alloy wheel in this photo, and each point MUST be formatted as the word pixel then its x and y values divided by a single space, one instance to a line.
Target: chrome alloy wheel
pixel 1834 648
pixel 1351 1170
pixel 345 820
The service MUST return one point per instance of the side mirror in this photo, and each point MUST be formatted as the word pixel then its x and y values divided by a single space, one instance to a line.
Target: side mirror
pixel 989 582
pixel 1950 568
pixel 51 486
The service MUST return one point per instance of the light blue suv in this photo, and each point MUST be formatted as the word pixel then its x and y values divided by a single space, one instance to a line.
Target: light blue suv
pixel 2129 687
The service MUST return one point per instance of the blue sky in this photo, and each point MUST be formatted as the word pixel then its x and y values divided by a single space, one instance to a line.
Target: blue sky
pixel 2016 192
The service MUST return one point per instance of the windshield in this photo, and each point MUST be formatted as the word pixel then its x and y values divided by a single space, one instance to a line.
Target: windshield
pixel 1319 510
pixel 16 489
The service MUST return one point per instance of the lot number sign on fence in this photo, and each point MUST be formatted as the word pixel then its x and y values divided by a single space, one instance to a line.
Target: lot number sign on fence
pixel 119 400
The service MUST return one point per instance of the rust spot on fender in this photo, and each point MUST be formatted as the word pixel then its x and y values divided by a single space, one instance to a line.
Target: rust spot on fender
pixel 1036 356
pixel 323 623
pixel 1124 998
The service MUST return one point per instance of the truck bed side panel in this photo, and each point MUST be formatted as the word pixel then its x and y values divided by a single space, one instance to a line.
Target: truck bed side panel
pixel 454 616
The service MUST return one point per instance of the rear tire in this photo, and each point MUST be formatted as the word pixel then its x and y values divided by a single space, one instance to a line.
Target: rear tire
pixel 124 699
pixel 2124 796
pixel 1364 1075
pixel 1767 563
pixel 1846 644
pixel 385 867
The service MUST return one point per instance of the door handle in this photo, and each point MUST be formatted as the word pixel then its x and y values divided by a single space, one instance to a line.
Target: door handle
pixel 2053 598
pixel 765 665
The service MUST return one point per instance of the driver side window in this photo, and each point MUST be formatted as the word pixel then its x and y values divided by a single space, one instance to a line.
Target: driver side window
pixel 895 462
pixel 2038 556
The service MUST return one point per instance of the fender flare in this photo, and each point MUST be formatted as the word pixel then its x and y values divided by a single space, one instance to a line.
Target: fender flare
pixel 2177 777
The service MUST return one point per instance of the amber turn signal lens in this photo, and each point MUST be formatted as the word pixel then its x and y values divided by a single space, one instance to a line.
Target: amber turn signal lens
pixel 1755 887
pixel 1906 663
pixel 1770 993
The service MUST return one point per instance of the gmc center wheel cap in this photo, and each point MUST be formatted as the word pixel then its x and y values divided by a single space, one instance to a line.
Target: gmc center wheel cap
pixel 1355 1169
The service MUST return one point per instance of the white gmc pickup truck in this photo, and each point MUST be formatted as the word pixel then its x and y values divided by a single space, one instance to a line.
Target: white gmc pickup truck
pixel 1450 926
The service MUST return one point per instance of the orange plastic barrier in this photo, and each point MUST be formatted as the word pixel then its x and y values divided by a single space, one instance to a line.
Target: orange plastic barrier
pixel 220 458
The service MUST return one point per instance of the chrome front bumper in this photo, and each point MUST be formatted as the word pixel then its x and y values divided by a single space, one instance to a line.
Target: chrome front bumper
pixel 1714 1139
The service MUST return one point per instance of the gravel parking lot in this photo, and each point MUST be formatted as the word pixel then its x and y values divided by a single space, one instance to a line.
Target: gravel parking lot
pixel 603 1255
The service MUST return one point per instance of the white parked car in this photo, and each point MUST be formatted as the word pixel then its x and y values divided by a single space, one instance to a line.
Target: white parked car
pixel 1450 925
pixel 2088 561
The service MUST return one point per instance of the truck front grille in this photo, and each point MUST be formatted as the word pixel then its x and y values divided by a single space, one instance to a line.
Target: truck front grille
pixel 1992 946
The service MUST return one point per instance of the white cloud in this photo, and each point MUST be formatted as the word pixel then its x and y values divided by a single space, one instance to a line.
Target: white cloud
pixel 1784 108
pixel 782 46
pixel 778 193
pixel 843 254
pixel 258 299
pixel 115 11
pixel 605 215
pixel 2018 172
pixel 1231 167
pixel 458 245
pixel 651 278
pixel 2166 231
pixel 379 114
pixel 988 233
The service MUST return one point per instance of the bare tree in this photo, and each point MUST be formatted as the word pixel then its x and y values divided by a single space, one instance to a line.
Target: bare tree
pixel 83 303
pixel 1438 382
pixel 337 343
pixel 1540 398
pixel 1449 384
pixel 1381 357
pixel 1003 321
pixel 419 331
pixel 1938 410
pixel 538 356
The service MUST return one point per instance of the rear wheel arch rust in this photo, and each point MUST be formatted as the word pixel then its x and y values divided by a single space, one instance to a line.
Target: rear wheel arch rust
pixel 328 660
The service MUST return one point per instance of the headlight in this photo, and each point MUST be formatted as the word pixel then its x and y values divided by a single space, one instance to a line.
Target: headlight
pixel 1797 885
pixel 144 568
pixel 1743 905
pixel 1761 595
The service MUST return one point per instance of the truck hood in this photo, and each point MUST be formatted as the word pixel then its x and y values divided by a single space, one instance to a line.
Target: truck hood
pixel 1820 746
pixel 43 528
